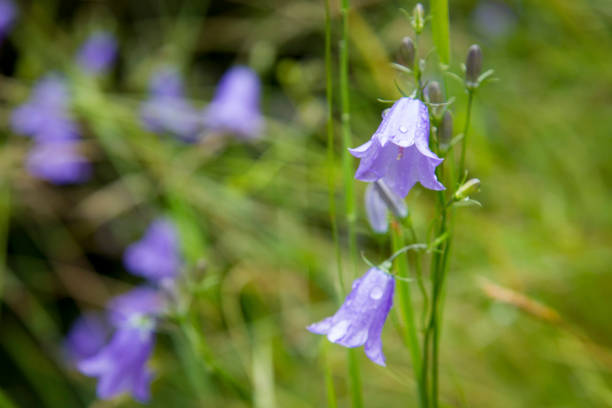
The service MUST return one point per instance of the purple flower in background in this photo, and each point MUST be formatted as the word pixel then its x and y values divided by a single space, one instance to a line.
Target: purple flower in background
pixel 8 14
pixel 156 256
pixel 45 116
pixel 98 53
pixel 235 107
pixel 361 318
pixel 399 151
pixel 494 19
pixel 121 365
pixel 86 337
pixel 58 163
pixel 167 110
pixel 376 210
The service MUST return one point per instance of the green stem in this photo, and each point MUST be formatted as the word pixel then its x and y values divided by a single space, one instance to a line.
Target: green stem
pixel 407 313
pixel 349 189
pixel 465 136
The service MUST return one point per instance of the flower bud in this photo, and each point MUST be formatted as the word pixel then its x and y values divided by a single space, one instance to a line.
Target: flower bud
pixel 434 93
pixel 418 18
pixel 394 203
pixel 467 189
pixel 473 65
pixel 406 53
pixel 445 131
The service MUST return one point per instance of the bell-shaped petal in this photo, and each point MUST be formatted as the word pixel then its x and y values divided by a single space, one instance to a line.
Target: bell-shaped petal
pixel 360 319
pixel 8 14
pixel 98 52
pixel 120 366
pixel 399 150
pixel 376 210
pixel 86 337
pixel 136 307
pixel 157 255
pixel 58 163
pixel 235 106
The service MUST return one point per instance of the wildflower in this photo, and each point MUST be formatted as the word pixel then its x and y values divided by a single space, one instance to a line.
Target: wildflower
pixel 473 66
pixel 376 210
pixel 156 256
pixel 86 337
pixel 8 13
pixel 120 365
pixel 98 53
pixel 235 107
pixel 167 110
pixel 398 152
pixel 58 163
pixel 360 319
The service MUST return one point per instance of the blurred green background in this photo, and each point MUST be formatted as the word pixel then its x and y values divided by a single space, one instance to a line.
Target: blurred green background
pixel 256 215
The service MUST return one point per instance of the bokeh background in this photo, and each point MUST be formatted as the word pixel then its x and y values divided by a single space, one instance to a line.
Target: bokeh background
pixel 528 309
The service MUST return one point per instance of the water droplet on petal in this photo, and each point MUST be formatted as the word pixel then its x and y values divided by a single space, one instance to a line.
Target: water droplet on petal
pixel 338 331
pixel 403 129
pixel 376 293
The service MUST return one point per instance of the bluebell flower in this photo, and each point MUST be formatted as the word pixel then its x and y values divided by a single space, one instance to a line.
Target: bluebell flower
pixel 157 255
pixel 98 52
pixel 58 163
pixel 360 319
pixel 8 14
pixel 376 210
pixel 398 152
pixel 167 110
pixel 235 106
pixel 121 365
pixel 87 336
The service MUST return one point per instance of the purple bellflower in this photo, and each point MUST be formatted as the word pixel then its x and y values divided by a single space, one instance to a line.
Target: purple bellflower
pixel 98 52
pixel 399 150
pixel 8 14
pixel 167 110
pixel 58 163
pixel 87 336
pixel 157 255
pixel 235 106
pixel 376 210
pixel 361 318
pixel 121 365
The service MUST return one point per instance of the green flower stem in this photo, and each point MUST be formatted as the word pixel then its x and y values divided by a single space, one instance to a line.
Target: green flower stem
pixel 466 128
pixel 406 311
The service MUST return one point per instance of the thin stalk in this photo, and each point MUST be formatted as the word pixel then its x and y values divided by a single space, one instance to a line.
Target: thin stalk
pixel 407 313
pixel 331 172
pixel 349 189
pixel 466 128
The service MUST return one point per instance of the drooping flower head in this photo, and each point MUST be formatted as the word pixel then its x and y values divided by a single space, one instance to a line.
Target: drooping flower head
pixel 87 336
pixel 167 110
pixel 120 365
pixel 98 52
pixel 45 115
pixel 235 106
pixel 398 152
pixel 361 318
pixel 8 14
pixel 58 163
pixel 157 255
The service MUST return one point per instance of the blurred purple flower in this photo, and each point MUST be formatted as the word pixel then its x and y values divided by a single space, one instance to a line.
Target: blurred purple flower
pixel 86 337
pixel 361 318
pixel 120 366
pixel 8 14
pixel 235 107
pixel 157 255
pixel 399 151
pixel 98 52
pixel 494 19
pixel 167 111
pixel 58 163
pixel 45 115
pixel 376 210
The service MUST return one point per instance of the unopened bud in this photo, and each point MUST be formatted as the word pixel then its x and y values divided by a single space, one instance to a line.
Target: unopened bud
pixel 467 189
pixel 406 52
pixel 434 93
pixel 394 203
pixel 445 131
pixel 473 65
pixel 418 18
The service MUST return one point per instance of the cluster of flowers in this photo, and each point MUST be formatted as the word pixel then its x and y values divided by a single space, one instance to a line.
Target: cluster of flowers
pixel 119 359
pixel 394 160
pixel 46 116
